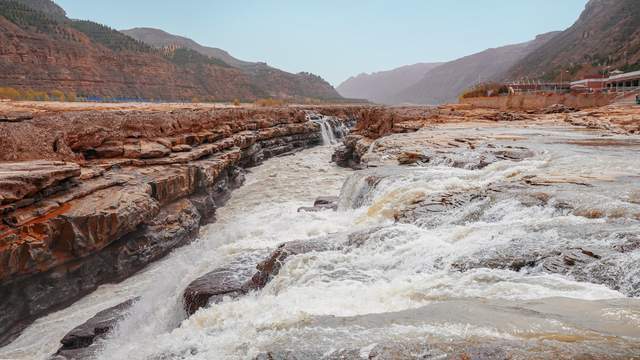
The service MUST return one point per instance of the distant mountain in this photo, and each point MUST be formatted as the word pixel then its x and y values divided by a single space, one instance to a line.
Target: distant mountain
pixel 162 39
pixel 606 34
pixel 381 87
pixel 277 83
pixel 445 83
pixel 43 50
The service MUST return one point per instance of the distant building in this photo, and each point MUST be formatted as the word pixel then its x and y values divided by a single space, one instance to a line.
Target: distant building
pixel 589 85
pixel 529 86
pixel 618 81
pixel 624 82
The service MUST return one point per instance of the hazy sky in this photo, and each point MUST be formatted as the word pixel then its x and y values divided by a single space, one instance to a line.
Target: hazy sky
pixel 339 38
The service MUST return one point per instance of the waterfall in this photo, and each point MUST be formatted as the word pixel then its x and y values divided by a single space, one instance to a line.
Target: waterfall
pixel 432 254
pixel 328 128
pixel 326 133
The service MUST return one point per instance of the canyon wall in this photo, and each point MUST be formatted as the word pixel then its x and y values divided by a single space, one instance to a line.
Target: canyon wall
pixel 89 197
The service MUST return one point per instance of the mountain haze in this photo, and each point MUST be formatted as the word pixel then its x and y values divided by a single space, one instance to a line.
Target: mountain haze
pixel 447 81
pixel 278 83
pixel 381 87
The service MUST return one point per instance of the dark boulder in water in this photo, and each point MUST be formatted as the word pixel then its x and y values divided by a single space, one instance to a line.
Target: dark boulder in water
pixel 79 342
pixel 227 281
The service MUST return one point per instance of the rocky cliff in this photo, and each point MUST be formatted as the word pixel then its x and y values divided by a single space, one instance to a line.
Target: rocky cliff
pixel 48 52
pixel 88 197
pixel 607 34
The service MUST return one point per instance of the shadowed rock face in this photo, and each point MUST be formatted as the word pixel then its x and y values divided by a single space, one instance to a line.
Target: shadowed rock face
pixel 118 196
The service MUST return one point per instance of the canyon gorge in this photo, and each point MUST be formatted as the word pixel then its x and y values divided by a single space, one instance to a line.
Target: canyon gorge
pixel 163 199
pixel 324 232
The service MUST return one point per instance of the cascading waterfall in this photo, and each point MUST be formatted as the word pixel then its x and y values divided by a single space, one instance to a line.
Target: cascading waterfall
pixel 331 128
pixel 408 281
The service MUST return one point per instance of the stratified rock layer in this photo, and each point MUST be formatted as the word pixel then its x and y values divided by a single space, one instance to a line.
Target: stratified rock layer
pixel 88 197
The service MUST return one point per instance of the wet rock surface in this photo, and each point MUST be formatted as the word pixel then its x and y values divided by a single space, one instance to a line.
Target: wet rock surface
pixel 78 343
pixel 492 239
pixel 227 282
pixel 270 267
pixel 91 197
pixel 246 273
pixel 428 345
pixel 322 203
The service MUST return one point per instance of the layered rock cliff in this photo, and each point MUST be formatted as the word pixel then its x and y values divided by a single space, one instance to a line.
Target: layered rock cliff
pixel 88 197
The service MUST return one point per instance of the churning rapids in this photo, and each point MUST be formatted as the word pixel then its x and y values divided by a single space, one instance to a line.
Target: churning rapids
pixel 426 261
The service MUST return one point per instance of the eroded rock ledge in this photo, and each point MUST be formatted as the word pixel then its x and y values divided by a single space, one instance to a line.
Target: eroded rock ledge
pixel 89 197
pixel 379 122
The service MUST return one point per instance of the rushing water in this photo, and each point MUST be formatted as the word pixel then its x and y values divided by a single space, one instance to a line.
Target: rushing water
pixel 393 287
pixel 331 129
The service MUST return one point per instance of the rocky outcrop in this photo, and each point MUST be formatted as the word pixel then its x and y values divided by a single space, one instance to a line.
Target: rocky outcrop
pixel 271 266
pixel 228 281
pixel 244 274
pixel 377 125
pixel 93 196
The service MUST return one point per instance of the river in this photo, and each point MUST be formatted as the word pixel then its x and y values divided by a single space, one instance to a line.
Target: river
pixel 404 281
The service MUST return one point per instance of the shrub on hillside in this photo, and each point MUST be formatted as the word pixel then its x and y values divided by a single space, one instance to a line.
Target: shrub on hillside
pixel 57 95
pixel 9 93
pixel 485 90
pixel 71 96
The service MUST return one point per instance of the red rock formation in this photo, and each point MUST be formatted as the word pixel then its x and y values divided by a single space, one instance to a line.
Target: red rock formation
pixel 46 54
pixel 92 196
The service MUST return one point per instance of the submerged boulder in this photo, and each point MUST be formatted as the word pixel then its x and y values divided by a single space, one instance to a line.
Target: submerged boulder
pixel 227 281
pixel 322 203
pixel 78 343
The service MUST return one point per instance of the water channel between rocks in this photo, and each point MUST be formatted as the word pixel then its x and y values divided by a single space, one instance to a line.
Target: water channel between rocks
pixel 405 280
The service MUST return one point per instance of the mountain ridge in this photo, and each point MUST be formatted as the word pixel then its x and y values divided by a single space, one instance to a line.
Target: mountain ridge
pixel 452 78
pixel 48 52
pixel 607 34
pixel 444 82
pixel 159 38
pixel 381 86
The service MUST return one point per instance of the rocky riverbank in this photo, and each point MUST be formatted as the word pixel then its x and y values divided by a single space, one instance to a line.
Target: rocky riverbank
pixel 92 196
pixel 377 123
pixel 465 233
